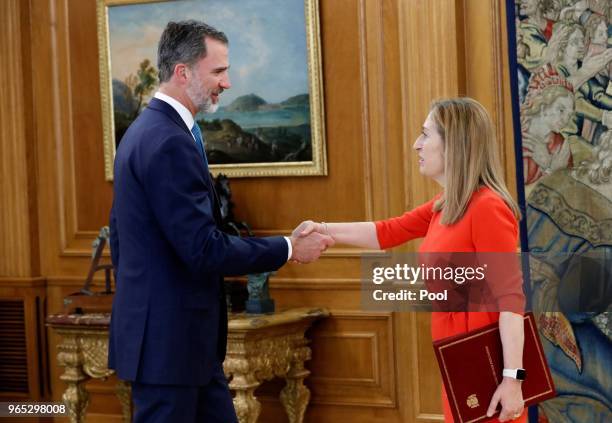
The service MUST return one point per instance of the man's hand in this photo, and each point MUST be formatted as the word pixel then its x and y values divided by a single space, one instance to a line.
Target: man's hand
pixel 307 227
pixel 510 395
pixel 308 247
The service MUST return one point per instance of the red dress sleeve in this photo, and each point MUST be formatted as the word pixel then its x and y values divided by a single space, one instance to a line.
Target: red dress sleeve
pixel 398 230
pixel 495 231
pixel 494 227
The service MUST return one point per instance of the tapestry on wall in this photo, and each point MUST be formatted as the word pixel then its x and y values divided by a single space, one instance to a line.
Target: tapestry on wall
pixel 562 60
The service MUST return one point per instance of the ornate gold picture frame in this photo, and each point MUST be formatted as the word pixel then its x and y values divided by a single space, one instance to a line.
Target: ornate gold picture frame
pixel 270 123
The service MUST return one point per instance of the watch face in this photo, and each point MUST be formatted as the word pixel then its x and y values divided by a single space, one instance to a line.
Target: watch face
pixel 521 374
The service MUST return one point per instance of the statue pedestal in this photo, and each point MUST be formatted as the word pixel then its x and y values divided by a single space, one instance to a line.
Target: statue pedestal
pixel 260 306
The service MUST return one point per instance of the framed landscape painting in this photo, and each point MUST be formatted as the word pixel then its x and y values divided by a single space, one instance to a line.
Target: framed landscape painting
pixel 269 123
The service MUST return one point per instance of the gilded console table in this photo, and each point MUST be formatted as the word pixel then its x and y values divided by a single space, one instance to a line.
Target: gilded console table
pixel 266 346
pixel 83 352
pixel 259 347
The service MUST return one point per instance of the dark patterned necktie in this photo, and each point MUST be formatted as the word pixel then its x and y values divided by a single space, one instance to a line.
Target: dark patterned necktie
pixel 197 134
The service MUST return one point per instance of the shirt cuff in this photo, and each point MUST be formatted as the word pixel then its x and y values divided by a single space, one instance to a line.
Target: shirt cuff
pixel 289 248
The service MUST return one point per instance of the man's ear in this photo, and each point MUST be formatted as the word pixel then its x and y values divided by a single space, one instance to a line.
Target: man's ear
pixel 181 73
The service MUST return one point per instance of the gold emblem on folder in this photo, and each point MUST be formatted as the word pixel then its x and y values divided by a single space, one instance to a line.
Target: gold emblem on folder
pixel 472 401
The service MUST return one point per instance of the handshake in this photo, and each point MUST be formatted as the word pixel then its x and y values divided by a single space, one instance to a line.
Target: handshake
pixel 308 241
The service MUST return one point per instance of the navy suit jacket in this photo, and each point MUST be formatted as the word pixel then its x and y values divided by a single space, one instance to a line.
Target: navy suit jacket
pixel 169 320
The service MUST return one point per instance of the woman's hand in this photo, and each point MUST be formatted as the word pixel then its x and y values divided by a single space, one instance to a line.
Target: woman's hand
pixel 510 395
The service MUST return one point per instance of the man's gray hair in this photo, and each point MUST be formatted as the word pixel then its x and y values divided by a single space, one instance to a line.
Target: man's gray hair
pixel 183 42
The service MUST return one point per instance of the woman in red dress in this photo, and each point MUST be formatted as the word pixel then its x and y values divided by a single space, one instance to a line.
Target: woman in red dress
pixel 473 213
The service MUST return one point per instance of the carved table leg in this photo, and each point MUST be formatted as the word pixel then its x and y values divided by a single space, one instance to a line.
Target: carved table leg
pixel 246 405
pixel 295 396
pixel 75 396
pixel 124 393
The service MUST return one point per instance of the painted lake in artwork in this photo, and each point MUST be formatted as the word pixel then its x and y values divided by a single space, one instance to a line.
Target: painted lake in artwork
pixel 251 129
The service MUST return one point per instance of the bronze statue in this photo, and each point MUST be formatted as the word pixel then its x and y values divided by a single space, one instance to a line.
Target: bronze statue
pixel 259 294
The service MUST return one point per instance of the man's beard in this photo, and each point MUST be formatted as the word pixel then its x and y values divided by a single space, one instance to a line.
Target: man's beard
pixel 201 97
pixel 209 106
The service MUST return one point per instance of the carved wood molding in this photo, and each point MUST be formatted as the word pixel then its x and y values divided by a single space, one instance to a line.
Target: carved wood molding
pixel 372 72
pixel 18 248
pixel 22 282
pixel 487 71
pixel 378 387
pixel 431 60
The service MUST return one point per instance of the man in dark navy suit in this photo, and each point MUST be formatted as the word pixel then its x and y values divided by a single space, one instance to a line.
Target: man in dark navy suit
pixel 169 322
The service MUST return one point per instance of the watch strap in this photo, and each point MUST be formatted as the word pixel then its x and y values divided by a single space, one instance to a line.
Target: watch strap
pixel 514 373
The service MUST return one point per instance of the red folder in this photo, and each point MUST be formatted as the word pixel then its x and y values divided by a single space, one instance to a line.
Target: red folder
pixel 471 365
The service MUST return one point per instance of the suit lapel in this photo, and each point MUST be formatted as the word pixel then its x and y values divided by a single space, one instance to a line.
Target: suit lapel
pixel 168 110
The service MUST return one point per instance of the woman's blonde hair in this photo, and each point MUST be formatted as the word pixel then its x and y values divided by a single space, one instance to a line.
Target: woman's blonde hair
pixel 471 157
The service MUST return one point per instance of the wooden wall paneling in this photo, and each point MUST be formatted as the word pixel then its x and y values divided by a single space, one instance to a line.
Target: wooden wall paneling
pixel 45 92
pixel 365 375
pixel 431 46
pixel 94 194
pixel 428 66
pixel 20 265
pixel 400 185
pixel 432 66
pixel 395 159
pixel 65 248
pixel 487 73
pixel 18 219
pixel 372 70
pixel 425 373
pixel 63 110
pixel 87 197
pixel 28 64
pixel 51 91
pixel 508 133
